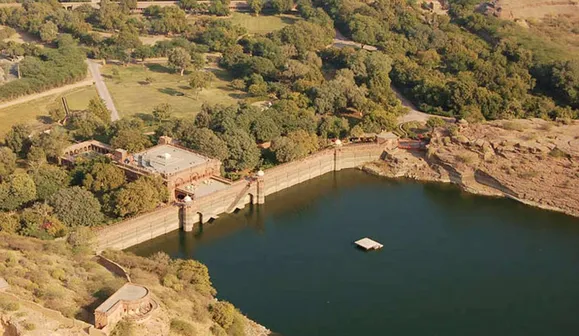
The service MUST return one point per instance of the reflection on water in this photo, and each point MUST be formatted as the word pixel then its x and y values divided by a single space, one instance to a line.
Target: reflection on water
pixel 452 263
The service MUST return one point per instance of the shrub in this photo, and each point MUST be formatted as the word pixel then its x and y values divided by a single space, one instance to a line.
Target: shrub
pixel 9 305
pixel 182 327
pixel 222 313
pixel 557 153
pixel 512 126
pixel 27 325
pixel 217 330
pixel 58 274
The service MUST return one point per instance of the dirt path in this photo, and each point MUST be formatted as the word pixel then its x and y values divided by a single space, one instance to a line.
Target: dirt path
pixel 25 99
pixel 340 41
pixel 102 89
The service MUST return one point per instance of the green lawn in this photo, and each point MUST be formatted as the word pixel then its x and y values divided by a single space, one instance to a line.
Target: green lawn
pixel 133 96
pixel 35 112
pixel 261 24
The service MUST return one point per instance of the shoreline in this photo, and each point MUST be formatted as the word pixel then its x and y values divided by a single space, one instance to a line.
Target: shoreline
pixel 374 169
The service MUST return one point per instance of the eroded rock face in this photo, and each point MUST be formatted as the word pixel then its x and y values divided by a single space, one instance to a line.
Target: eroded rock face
pixel 534 161
pixel 7 328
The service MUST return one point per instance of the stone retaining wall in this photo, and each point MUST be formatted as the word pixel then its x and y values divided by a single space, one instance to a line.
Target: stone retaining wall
pixel 148 226
pixel 139 229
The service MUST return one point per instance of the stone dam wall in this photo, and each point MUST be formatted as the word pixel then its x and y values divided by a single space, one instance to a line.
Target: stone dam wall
pixel 250 191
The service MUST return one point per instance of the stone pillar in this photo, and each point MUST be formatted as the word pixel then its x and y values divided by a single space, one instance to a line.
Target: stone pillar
pixel 260 187
pixel 188 214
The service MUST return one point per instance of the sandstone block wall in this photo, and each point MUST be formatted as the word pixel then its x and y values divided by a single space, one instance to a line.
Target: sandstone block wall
pixel 139 229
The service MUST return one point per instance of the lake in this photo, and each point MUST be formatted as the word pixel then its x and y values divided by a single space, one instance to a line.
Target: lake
pixel 452 263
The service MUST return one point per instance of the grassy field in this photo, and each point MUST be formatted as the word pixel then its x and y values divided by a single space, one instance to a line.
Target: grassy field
pixel 133 96
pixel 261 24
pixel 35 112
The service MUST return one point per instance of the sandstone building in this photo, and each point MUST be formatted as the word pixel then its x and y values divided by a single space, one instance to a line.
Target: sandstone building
pixel 184 171
pixel 130 301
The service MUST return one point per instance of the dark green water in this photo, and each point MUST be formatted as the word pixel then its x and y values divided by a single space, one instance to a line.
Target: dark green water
pixel 452 263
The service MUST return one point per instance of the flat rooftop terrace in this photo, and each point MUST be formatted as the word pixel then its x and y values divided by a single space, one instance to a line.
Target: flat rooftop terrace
pixel 128 292
pixel 205 187
pixel 168 159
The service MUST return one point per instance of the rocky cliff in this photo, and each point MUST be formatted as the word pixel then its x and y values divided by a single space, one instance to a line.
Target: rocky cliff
pixel 533 161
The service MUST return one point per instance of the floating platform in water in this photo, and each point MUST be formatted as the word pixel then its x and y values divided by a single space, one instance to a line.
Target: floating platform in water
pixel 368 244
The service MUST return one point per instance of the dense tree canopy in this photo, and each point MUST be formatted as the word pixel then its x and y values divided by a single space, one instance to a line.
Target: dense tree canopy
pixel 49 179
pixel 76 206
pixel 16 190
pixel 140 196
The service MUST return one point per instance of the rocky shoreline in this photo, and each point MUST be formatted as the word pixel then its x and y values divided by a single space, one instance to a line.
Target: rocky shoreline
pixel 534 162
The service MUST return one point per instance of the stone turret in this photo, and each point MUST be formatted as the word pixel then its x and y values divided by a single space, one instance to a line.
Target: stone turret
pixel 188 214
pixel 260 187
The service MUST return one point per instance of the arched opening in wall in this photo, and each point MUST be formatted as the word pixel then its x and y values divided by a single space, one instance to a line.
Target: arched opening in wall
pixel 198 227
pixel 250 199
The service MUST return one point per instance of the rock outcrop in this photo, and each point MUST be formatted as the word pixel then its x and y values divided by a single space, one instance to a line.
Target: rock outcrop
pixel 533 161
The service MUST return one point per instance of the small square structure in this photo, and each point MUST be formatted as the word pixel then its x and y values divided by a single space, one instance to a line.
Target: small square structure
pixel 368 244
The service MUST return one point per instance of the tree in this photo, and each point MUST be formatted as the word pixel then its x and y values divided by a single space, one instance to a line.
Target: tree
pixel 162 112
pixel 132 140
pixel 76 206
pixel 52 143
pixel 18 138
pixel 140 196
pixel 334 127
pixel 36 158
pixel 48 31
pixel 103 177
pixel 206 142
pixel 281 6
pixel 219 7
pixel 7 162
pixel 256 6
pixel 356 131
pixel 365 29
pixel 200 80
pixel 19 188
pixel 49 179
pixel 296 145
pixel 243 152
pixel 57 113
pixel 39 221
pixel 179 59
pixel 142 52
pixel 189 5
pixel 565 77
pixel 97 107
pixel 378 121
pixel 264 128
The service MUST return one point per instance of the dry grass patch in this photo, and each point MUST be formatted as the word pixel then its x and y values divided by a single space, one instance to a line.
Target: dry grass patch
pixel 133 94
pixel 261 24
pixel 51 274
pixel 35 112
